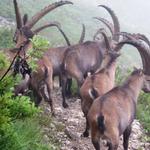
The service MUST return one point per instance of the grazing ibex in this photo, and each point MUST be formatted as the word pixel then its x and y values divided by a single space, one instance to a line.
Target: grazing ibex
pixel 87 57
pixel 39 81
pixel 43 76
pixel 112 114
pixel 96 85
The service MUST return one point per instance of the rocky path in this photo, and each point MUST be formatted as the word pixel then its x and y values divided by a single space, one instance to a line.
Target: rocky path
pixel 74 123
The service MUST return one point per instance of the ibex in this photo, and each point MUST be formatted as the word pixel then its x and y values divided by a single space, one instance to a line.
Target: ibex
pixel 112 114
pixel 43 76
pixel 102 81
pixel 39 81
pixel 24 33
pixel 96 85
pixel 87 57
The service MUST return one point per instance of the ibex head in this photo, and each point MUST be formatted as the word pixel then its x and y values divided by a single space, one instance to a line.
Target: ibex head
pixel 24 26
pixel 135 40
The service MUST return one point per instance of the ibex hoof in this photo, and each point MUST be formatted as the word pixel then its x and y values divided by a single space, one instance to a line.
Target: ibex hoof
pixel 85 134
pixel 53 114
pixel 65 105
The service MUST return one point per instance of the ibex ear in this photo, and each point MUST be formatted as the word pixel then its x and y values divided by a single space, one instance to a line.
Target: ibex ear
pixel 25 19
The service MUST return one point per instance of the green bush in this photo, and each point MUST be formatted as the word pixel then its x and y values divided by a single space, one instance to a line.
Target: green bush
pixel 143 111
pixel 40 45
pixel 20 127
pixel 74 88
pixel 3 61
pixel 23 135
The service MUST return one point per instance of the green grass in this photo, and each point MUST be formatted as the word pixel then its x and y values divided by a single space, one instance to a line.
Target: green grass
pixel 143 111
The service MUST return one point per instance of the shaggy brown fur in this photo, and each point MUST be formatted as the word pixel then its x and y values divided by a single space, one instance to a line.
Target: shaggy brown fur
pixel 112 114
pixel 96 85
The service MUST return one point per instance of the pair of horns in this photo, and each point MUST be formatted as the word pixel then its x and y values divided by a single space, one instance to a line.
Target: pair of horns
pixel 115 27
pixel 135 40
pixel 37 16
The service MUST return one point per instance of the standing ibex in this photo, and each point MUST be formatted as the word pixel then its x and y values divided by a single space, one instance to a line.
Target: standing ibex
pixel 112 114
pixel 102 81
pixel 24 33
pixel 87 57
pixel 96 85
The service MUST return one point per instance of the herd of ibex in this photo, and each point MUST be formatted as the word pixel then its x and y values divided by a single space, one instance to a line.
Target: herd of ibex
pixel 109 110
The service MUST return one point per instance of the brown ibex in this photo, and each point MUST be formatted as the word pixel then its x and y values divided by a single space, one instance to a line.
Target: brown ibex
pixel 112 114
pixel 39 81
pixel 55 55
pixel 96 85
pixel 87 57
pixel 43 76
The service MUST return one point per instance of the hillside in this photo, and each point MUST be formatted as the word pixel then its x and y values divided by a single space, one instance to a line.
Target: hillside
pixel 71 18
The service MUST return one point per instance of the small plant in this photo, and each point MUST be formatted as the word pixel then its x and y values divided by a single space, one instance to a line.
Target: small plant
pixel 74 88
pixel 143 111
pixel 40 45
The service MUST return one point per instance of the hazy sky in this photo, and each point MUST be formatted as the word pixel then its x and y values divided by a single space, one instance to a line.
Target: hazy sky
pixel 133 14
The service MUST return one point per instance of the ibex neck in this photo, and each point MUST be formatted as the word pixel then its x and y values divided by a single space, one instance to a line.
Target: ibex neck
pixel 134 86
pixel 112 70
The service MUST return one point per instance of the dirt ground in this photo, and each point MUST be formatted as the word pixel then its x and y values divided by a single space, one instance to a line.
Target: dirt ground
pixel 74 123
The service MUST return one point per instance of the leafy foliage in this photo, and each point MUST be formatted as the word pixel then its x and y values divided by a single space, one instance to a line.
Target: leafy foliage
pixel 143 111
pixel 3 61
pixel 40 45
pixel 20 128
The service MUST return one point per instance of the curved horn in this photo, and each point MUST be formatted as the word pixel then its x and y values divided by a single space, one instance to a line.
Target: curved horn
pixel 107 23
pixel 138 36
pixel 98 32
pixel 57 24
pixel 143 38
pixel 44 11
pixel 18 15
pixel 82 34
pixel 144 52
pixel 106 40
pixel 64 35
pixel 115 21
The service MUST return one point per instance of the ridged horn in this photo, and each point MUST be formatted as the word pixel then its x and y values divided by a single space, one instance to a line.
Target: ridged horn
pixel 144 52
pixel 98 32
pixel 18 15
pixel 115 21
pixel 51 24
pixel 107 23
pixel 82 34
pixel 44 11
pixel 143 38
pixel 58 26
pixel 65 37
pixel 106 40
